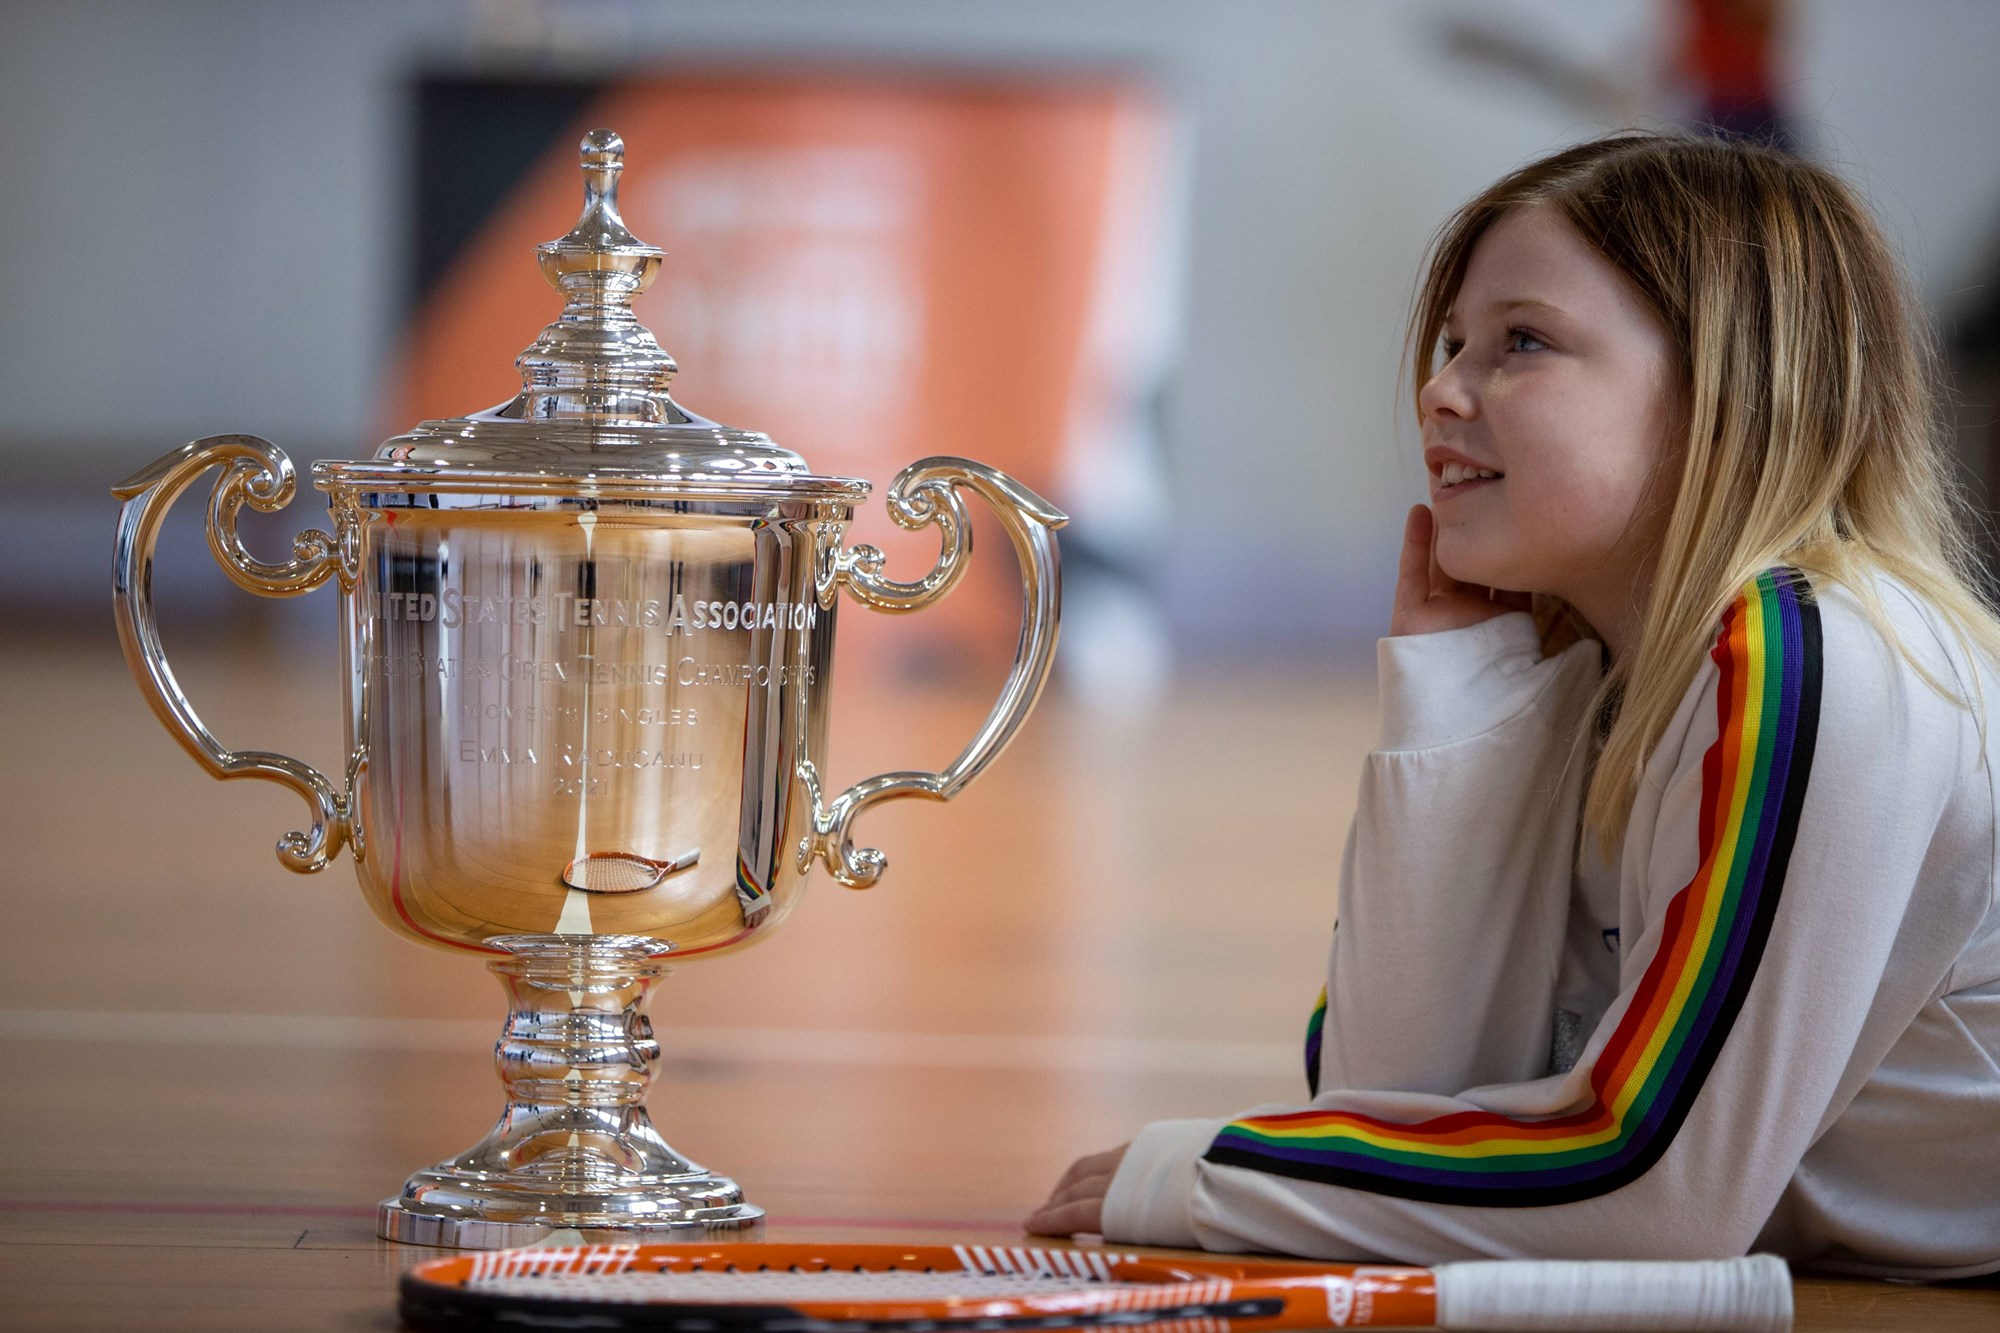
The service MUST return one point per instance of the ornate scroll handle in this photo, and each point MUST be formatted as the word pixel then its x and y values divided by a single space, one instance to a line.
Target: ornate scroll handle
pixel 255 471
pixel 924 493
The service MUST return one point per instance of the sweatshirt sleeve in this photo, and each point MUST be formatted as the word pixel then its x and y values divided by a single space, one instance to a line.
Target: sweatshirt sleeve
pixel 1436 935
pixel 1765 888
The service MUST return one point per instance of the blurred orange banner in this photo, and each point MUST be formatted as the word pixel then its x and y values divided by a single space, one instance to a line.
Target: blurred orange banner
pixel 868 269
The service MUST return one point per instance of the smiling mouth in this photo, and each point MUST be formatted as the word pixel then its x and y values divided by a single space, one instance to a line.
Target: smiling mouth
pixel 1455 479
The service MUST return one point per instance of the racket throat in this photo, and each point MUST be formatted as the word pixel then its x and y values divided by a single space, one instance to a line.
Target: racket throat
pixel 574 1155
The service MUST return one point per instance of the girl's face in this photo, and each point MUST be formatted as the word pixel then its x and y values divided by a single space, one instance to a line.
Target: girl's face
pixel 1558 379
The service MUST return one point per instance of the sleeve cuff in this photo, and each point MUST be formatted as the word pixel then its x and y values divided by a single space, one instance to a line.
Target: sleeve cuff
pixel 1150 1200
pixel 1453 684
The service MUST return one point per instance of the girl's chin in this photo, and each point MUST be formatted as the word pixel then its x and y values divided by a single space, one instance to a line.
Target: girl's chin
pixel 1465 562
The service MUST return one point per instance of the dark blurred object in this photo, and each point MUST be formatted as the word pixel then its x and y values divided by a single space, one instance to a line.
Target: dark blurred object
pixel 476 139
pixel 1576 84
pixel 1972 350
pixel 1729 59
pixel 1714 68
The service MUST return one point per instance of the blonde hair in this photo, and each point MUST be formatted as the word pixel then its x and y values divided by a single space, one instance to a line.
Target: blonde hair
pixel 1807 386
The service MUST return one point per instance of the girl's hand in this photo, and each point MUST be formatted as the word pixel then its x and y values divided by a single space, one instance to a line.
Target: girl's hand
pixel 1077 1203
pixel 1428 599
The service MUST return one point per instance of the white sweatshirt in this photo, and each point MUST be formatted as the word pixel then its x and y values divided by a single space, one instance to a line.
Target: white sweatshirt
pixel 1776 1010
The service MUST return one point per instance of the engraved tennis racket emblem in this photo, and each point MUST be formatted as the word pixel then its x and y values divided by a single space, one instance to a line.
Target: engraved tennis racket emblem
pixel 623 872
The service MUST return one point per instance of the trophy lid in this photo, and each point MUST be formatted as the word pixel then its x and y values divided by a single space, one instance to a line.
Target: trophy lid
pixel 593 404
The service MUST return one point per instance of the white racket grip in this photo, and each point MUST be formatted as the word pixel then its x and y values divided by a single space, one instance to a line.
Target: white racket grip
pixel 1749 1295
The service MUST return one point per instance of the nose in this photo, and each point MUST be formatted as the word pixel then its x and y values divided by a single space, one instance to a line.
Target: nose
pixel 1448 393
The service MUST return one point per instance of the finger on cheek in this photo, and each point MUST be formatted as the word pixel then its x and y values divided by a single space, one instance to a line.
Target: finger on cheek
pixel 1413 566
pixel 1438 578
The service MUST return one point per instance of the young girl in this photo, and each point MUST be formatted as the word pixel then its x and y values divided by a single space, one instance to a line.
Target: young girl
pixel 1667 920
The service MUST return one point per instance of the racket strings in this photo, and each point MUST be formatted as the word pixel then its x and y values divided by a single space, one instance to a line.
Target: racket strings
pixel 612 872
pixel 764 1285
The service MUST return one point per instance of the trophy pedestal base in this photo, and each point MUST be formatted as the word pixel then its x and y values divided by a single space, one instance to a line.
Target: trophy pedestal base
pixel 574 1157
pixel 567 1223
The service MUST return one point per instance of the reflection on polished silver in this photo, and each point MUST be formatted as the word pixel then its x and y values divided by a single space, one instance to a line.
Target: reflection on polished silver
pixel 588 638
pixel 923 493
pixel 253 470
pixel 574 1149
pixel 622 872
pixel 598 359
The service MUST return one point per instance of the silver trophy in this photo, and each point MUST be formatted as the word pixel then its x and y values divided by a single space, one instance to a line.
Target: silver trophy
pixel 589 639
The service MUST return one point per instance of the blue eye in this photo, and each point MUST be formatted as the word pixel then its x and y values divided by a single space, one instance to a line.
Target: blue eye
pixel 1512 334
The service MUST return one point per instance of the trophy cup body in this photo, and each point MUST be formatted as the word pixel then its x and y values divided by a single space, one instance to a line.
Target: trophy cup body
pixel 613 697
pixel 589 647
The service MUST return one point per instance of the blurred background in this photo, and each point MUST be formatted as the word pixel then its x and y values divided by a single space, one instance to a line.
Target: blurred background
pixel 1153 256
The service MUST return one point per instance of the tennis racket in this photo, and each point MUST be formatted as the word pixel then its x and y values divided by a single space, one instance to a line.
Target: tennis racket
pixel 776 1288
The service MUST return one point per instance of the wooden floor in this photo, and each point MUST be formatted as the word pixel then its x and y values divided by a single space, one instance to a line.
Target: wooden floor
pixel 217 1068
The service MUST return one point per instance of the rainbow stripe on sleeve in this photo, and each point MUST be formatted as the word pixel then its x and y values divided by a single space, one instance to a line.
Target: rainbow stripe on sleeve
pixel 1643 1082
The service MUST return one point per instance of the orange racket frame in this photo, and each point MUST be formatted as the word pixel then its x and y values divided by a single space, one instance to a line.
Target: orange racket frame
pixel 1251 1295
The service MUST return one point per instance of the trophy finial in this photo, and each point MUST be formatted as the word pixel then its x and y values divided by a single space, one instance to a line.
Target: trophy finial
pixel 597 360
pixel 603 158
pixel 600 243
pixel 603 148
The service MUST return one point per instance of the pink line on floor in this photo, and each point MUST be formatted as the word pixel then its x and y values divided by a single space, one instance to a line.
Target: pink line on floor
pixel 190 1209
pixel 1011 1228
pixel 209 1209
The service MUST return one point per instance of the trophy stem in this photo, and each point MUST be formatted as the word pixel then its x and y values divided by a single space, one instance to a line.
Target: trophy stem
pixel 574 1154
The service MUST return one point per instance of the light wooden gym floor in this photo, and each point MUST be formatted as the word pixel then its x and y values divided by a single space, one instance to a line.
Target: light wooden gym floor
pixel 217 1068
